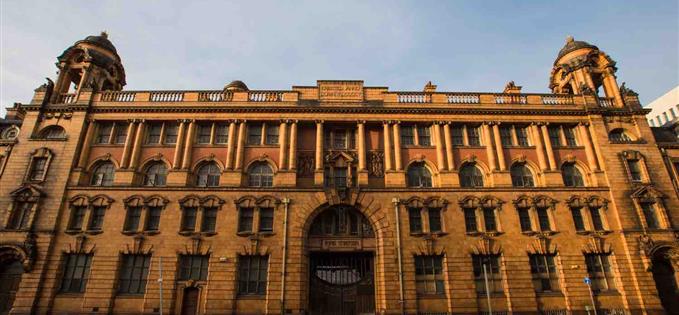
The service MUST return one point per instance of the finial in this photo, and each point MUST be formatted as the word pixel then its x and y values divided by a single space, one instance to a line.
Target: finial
pixel 569 39
pixel 104 34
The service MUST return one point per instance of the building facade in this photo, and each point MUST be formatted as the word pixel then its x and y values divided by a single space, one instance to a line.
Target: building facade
pixel 337 198
pixel 664 109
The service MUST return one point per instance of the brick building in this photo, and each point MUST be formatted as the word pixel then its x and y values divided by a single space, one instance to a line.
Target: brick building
pixel 334 198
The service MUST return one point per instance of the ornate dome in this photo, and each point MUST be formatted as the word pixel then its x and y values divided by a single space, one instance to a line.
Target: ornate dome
pixel 101 41
pixel 573 45
pixel 236 85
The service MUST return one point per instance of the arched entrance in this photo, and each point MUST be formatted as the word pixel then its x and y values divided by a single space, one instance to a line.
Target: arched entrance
pixel 10 277
pixel 665 277
pixel 341 244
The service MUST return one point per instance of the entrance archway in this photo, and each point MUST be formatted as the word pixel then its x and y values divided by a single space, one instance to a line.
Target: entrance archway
pixel 342 247
pixel 10 277
pixel 665 276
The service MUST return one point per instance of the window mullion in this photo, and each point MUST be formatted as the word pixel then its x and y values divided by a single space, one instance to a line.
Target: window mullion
pixel 262 139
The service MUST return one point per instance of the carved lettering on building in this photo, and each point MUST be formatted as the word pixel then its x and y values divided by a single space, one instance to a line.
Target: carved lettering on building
pixel 340 90
pixel 341 244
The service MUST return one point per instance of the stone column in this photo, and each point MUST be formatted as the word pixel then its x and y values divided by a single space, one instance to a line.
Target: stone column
pixel 502 164
pixel 613 90
pixel 361 145
pixel 188 147
pixel 539 148
pixel 439 147
pixel 241 143
pixel 589 150
pixel 177 160
pixel 548 147
pixel 319 145
pixel 127 147
pixel 398 162
pixel 449 146
pixel 231 145
pixel 292 155
pixel 282 141
pixel 85 149
pixel 136 150
pixel 488 141
pixel 387 147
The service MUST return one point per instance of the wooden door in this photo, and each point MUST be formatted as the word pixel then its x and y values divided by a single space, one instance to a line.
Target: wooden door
pixel 190 301
pixel 10 277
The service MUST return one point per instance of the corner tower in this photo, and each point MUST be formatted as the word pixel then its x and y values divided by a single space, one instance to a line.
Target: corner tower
pixel 90 63
pixel 581 68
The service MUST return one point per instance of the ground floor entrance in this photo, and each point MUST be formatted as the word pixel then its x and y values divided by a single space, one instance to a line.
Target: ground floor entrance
pixel 341 283
pixel 10 277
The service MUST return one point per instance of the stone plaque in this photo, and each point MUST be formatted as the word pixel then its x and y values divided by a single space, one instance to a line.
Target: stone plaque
pixel 340 90
pixel 341 244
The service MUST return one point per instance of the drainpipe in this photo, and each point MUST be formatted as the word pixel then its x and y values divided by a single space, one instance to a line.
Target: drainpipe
pixel 395 201
pixel 286 202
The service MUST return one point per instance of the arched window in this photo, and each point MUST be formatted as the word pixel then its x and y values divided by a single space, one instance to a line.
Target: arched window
pixel 155 174
pixel 619 135
pixel 53 132
pixel 418 175
pixel 341 220
pixel 103 174
pixel 260 175
pixel 470 176
pixel 572 177
pixel 208 175
pixel 521 176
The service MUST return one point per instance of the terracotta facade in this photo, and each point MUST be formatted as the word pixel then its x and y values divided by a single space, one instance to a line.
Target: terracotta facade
pixel 441 177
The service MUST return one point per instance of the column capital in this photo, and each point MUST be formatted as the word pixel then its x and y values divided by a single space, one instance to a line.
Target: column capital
pixel 583 123
pixel 319 121
pixel 386 122
pixel 360 122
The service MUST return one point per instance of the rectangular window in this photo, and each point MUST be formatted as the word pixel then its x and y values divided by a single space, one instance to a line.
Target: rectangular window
pixel 506 135
pixel 340 176
pixel 407 136
pixel 77 218
pixel 649 215
pixel 415 220
pixel 569 133
pixel 209 220
pixel 133 274
pixel 252 274
pixel 470 220
pixel 266 219
pixel 132 219
pixel 189 215
pixel 121 133
pixel 104 134
pixel 221 133
pixel 597 222
pixel 204 133
pixel 170 133
pixel 339 139
pixel 424 136
pixel 429 274
pixel 599 270
pixel 473 138
pixel 457 135
pixel 522 136
pixel 97 218
pixel 489 219
pixel 153 219
pixel 38 168
pixel 20 215
pixel 153 133
pixel 76 272
pixel 543 270
pixel 245 219
pixel 434 220
pixel 577 219
pixel 554 136
pixel 488 265
pixel 193 267
pixel 524 219
pixel 255 134
pixel 272 134
pixel 634 170
pixel 543 219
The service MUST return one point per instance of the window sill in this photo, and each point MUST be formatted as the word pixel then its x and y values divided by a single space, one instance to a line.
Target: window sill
pixel 416 146
pixel 73 232
pixel 245 234
pixel 129 232
pixel 611 292
pixel 14 230
pixel 251 297
pixel 461 146
pixel 431 295
pixel 262 145
pixel 45 139
pixel 569 147
pixel 107 144
pixel 130 295
pixel 549 293
pixel 210 145
pixel 93 232
pixel 266 233
pixel 518 146
pixel 158 145
pixel 492 294
pixel 151 232
pixel 70 294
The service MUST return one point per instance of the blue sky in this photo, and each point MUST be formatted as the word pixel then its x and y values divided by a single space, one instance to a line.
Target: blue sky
pixel 461 46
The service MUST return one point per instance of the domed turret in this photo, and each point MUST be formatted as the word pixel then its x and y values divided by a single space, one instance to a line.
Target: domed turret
pixel 90 63
pixel 581 68
pixel 236 86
